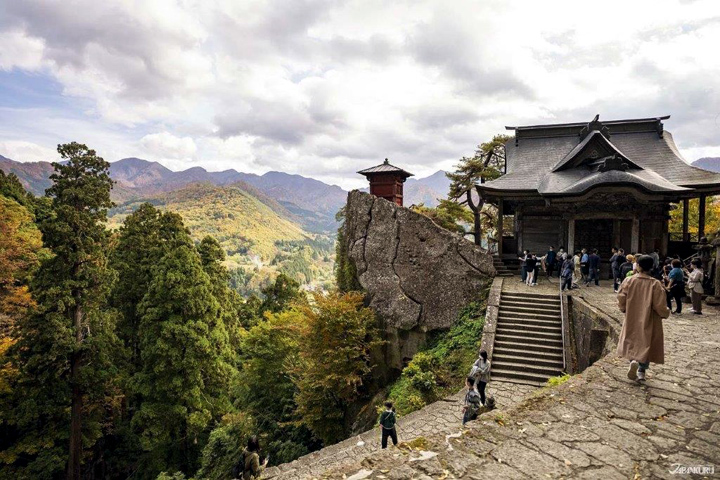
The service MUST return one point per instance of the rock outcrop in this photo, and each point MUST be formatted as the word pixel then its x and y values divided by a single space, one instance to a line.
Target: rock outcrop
pixel 418 275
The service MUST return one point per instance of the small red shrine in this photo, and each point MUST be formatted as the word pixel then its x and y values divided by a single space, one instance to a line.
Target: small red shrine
pixel 386 181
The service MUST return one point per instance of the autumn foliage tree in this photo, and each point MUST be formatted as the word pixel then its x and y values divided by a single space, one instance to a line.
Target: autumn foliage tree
pixel 338 335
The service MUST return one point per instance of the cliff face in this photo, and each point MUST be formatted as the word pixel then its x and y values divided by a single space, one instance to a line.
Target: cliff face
pixel 418 275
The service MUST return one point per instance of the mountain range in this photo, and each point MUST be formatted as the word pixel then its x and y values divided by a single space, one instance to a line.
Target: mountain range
pixel 310 202
pixel 708 163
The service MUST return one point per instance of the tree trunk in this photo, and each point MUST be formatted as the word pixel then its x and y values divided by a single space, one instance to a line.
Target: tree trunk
pixel 74 472
pixel 477 230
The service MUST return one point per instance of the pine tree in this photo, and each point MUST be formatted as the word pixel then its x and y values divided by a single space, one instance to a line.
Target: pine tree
pixel 65 384
pixel 187 362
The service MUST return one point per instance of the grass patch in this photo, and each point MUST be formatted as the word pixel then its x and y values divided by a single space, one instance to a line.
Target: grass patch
pixel 559 380
pixel 440 369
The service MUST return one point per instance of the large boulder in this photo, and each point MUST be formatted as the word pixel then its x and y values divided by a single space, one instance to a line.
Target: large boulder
pixel 418 275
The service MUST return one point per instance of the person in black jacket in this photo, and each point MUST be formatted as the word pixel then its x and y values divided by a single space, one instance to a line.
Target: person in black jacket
pixel 387 425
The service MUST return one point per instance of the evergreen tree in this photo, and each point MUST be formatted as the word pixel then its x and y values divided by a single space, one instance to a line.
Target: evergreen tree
pixel 280 294
pixel 64 389
pixel 186 363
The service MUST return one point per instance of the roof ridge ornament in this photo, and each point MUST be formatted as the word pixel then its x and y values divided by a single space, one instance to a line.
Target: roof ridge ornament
pixel 613 162
pixel 595 124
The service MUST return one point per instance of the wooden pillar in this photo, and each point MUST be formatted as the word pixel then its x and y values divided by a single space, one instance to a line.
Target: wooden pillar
pixel 635 236
pixel 664 239
pixel 701 216
pixel 686 219
pixel 715 298
pixel 571 236
pixel 519 229
pixel 499 227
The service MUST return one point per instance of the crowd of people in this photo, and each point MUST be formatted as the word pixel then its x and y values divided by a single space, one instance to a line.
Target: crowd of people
pixel 583 268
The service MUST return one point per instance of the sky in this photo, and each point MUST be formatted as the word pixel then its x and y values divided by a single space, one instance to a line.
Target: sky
pixel 325 88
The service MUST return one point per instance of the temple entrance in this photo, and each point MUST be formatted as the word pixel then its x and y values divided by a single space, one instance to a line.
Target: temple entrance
pixel 592 234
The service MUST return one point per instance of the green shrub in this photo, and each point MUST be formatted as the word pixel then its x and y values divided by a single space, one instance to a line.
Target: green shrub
pixel 440 369
pixel 559 380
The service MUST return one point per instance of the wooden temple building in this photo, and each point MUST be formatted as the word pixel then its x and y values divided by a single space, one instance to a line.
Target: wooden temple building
pixel 596 185
pixel 386 181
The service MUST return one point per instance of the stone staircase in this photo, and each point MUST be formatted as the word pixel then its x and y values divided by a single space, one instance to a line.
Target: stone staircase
pixel 501 267
pixel 528 338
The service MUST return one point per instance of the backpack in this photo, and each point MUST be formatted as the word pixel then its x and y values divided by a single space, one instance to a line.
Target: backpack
pixel 473 400
pixel 387 420
pixel 239 467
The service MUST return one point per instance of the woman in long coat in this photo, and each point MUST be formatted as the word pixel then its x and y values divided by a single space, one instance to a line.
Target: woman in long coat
pixel 643 300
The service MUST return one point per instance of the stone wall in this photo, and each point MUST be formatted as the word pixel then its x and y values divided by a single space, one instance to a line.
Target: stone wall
pixel 418 276
pixel 594 334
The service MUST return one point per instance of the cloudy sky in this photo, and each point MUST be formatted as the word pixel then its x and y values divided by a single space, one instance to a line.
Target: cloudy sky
pixel 325 88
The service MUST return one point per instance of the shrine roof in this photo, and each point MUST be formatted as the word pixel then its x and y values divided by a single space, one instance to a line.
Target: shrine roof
pixel 558 159
pixel 385 167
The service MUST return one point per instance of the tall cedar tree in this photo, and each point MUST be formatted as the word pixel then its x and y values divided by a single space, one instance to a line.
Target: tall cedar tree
pixel 337 336
pixel 187 363
pixel 488 163
pixel 65 351
pixel 145 237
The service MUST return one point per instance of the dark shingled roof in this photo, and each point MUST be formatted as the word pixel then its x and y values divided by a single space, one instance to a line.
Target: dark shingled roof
pixel 544 162
pixel 385 167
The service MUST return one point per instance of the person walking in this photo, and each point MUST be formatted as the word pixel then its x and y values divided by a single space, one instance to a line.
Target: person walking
pixel 695 283
pixel 387 425
pixel 249 467
pixel 566 274
pixel 593 268
pixel 530 264
pixel 627 267
pixel 577 273
pixel 481 373
pixel 676 286
pixel 472 404
pixel 641 299
pixel 550 258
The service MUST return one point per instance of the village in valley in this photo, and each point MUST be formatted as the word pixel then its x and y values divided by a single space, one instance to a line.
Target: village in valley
pixel 310 240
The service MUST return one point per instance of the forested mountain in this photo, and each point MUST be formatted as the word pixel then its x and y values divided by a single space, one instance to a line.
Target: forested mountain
pixel 708 163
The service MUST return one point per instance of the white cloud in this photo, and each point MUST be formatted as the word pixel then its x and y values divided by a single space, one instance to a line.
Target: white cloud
pixel 21 151
pixel 167 146
pixel 321 88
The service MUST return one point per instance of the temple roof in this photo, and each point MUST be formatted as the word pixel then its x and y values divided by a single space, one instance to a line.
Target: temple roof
pixel 385 167
pixel 566 159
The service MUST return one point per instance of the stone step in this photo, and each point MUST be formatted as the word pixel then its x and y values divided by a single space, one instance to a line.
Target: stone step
pixel 522 344
pixel 532 341
pixel 502 357
pixel 537 306
pixel 504 274
pixel 526 367
pixel 534 296
pixel 526 313
pixel 539 379
pixel 506 318
pixel 529 334
pixel 528 352
pixel 551 329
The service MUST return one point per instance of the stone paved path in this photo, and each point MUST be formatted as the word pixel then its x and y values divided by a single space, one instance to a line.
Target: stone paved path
pixel 598 425
pixel 441 417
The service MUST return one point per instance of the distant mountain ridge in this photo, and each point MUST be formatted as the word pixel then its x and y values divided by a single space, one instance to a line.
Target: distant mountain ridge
pixel 708 163
pixel 310 202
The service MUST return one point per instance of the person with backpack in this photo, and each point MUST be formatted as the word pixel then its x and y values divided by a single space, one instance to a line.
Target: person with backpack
pixel 472 405
pixel 481 373
pixel 566 274
pixel 387 425
pixel 249 467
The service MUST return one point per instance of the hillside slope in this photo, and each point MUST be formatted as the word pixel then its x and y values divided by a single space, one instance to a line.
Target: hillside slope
pixel 708 163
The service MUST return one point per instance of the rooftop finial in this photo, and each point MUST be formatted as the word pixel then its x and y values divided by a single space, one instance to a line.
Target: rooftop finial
pixel 386 162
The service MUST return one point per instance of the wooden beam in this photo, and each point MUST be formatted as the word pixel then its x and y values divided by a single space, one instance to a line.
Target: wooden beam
pixel 686 219
pixel 635 236
pixel 701 216
pixel 500 226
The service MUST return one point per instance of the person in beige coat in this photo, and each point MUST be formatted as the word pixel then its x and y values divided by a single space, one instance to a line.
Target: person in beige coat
pixel 643 300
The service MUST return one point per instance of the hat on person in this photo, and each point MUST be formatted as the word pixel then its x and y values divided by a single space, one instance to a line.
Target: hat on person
pixel 646 262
